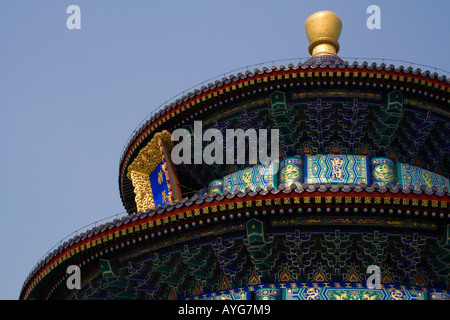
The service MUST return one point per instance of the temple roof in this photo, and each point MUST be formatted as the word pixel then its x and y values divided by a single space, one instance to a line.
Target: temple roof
pixel 322 68
pixel 71 248
pixel 320 71
pixel 313 64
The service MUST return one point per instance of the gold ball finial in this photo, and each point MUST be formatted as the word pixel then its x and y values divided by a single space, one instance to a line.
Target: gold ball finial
pixel 323 29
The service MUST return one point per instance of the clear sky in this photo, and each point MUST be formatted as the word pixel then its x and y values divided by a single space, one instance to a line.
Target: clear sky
pixel 70 99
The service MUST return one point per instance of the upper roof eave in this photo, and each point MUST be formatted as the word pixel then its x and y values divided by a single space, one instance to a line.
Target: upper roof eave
pixel 165 111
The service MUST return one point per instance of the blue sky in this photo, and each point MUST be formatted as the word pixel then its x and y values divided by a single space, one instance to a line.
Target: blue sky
pixel 70 99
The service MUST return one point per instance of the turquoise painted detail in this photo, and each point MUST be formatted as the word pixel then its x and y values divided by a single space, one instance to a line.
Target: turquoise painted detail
pixel 253 177
pixel 409 175
pixel 336 169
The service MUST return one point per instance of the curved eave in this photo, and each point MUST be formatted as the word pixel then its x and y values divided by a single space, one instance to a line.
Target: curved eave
pixel 161 221
pixel 429 84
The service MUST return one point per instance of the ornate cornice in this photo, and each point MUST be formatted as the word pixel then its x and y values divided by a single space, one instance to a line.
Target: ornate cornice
pixel 304 200
pixel 425 84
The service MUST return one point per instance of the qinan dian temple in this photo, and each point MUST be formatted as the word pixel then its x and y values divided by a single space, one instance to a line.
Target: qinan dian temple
pixel 362 179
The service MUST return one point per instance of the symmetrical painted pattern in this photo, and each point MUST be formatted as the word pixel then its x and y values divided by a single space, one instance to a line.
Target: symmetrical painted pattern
pixel 383 171
pixel 345 293
pixel 336 169
pixel 291 171
pixel 322 291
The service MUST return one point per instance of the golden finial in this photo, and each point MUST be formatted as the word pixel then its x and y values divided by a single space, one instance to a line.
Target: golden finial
pixel 323 29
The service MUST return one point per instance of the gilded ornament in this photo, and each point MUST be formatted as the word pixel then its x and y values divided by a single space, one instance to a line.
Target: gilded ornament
pixel 166 198
pixel 160 176
pixel 142 190
pixel 426 176
pixel 336 168
pixel 323 29
pixel 384 173
pixel 141 167
pixel 312 294
pixel 290 174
